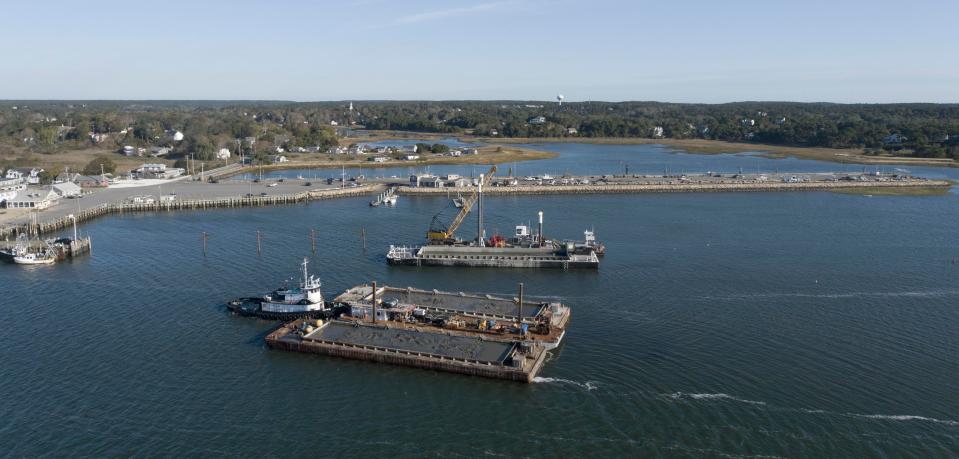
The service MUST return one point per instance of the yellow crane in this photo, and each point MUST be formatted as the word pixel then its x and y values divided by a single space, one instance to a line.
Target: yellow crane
pixel 439 234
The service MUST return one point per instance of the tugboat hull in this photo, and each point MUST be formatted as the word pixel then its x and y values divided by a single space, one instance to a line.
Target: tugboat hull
pixel 252 307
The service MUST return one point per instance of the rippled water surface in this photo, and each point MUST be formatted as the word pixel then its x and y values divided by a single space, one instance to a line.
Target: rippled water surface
pixel 766 324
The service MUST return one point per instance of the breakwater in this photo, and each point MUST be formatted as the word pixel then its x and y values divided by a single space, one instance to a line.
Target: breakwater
pixel 43 227
pixel 685 187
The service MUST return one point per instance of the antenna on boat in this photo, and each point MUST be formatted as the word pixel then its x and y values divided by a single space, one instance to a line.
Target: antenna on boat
pixel 306 278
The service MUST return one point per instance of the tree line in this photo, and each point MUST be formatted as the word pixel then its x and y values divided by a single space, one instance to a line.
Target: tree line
pixel 922 130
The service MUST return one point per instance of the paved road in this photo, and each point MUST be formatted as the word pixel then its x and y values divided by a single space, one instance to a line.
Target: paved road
pixel 184 189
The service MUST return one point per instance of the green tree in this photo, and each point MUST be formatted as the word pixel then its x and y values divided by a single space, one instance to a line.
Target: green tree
pixel 93 167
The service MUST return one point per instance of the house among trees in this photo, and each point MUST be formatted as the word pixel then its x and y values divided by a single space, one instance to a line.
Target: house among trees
pixel 894 139
pixel 224 153
pixel 536 120
pixel 657 131
pixel 29 175
pixel 91 181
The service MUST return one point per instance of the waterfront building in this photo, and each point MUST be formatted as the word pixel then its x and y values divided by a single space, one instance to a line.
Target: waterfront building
pixel 34 198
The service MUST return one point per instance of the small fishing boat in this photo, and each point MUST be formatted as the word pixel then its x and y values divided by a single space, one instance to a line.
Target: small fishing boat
pixel 31 258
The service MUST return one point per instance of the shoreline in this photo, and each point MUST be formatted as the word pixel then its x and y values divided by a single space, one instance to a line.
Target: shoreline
pixel 911 187
pixel 488 155
pixel 694 188
pixel 694 146
pixel 702 146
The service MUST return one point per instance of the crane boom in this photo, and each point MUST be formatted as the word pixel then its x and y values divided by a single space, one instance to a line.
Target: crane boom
pixel 439 236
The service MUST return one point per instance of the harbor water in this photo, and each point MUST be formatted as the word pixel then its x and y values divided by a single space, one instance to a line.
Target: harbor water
pixel 719 324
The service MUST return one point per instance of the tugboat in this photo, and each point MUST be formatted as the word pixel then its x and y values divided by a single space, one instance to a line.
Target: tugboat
pixel 305 301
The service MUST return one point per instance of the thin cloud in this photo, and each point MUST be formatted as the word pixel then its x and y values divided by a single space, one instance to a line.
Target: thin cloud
pixel 450 12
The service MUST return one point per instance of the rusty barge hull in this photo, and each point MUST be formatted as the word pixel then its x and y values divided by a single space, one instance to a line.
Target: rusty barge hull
pixel 439 351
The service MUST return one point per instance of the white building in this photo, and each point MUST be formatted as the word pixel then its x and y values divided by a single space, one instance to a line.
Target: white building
pixel 129 150
pixel 536 120
pixel 658 131
pixel 748 122
pixel 67 189
pixel 34 198
pixel 411 157
pixel 378 159
pixel 157 171
pixel 176 136
pixel 277 159
pixel 418 180
pixel 224 153
pixel 29 175
pixel 157 152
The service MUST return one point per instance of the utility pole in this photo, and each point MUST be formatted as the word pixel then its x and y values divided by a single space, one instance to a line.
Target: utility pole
pixel 520 314
pixel 374 302
pixel 479 213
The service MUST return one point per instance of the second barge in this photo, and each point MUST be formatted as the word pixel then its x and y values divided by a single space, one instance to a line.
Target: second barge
pixel 564 257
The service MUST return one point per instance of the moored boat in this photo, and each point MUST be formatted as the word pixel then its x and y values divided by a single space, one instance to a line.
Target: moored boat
pixel 31 258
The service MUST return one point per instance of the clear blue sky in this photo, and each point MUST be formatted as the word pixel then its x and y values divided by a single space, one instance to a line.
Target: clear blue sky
pixel 677 51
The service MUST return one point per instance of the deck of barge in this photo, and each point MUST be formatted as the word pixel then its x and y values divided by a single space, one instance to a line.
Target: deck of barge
pixel 399 339
pixel 458 303
pixel 435 350
pixel 490 257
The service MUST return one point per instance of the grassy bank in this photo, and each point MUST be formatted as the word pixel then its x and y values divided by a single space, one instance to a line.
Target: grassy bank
pixel 839 155
pixel 902 191
pixel 490 154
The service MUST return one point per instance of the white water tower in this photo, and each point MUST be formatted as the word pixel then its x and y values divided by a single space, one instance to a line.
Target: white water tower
pixel 559 98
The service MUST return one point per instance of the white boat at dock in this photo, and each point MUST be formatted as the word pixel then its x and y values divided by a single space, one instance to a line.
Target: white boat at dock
pixel 31 258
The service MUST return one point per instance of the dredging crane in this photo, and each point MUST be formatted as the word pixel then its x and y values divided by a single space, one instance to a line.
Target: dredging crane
pixel 440 234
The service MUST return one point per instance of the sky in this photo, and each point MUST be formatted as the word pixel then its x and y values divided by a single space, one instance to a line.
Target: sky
pixel 854 51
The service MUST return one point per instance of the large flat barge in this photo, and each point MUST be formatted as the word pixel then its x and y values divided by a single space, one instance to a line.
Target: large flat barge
pixel 414 347
pixel 493 317
pixel 491 257
pixel 475 334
